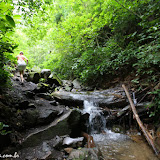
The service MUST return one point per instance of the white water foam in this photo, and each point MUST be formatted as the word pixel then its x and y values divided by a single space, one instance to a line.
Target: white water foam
pixel 97 121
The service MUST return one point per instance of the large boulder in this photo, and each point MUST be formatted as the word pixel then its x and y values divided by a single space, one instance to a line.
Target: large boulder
pixel 45 73
pixel 59 127
pixel 74 122
pixel 33 77
pixel 54 79
pixel 30 117
pixel 44 150
pixel 106 98
pixel 47 115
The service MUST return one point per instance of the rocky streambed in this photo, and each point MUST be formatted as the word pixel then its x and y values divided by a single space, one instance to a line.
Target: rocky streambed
pixel 53 119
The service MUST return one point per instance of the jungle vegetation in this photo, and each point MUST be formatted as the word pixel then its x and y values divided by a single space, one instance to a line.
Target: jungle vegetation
pixel 94 41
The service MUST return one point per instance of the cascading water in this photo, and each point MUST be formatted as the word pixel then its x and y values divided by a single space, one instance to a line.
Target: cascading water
pixel 134 99
pixel 115 146
pixel 97 121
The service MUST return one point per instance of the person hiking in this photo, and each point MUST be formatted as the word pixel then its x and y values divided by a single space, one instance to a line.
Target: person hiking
pixel 21 64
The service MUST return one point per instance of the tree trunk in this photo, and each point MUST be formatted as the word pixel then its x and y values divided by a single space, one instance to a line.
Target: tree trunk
pixel 144 130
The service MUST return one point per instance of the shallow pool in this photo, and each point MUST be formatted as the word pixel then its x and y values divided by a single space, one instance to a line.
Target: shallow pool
pixel 116 146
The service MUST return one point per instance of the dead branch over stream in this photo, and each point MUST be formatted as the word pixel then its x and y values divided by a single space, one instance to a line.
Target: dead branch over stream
pixel 144 130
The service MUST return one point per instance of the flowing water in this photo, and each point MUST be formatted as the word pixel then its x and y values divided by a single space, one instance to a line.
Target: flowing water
pixel 97 121
pixel 114 146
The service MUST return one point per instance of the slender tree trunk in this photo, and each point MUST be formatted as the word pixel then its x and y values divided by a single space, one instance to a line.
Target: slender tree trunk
pixel 145 132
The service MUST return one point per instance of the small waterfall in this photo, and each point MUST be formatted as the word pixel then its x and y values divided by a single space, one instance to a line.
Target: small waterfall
pixel 97 121
pixel 134 99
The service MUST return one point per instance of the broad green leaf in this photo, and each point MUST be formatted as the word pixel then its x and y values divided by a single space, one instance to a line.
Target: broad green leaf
pixel 10 20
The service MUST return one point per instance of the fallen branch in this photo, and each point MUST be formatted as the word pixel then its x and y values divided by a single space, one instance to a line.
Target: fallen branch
pixel 89 138
pixel 144 130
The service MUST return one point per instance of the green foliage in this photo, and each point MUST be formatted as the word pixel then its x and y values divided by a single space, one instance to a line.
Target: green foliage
pixel 10 20
pixel 43 80
pixel 155 106
pixel 6 45
pixel 3 131
pixel 92 39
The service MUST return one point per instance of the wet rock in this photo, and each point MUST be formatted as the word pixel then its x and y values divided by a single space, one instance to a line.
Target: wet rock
pixel 74 122
pixel 106 98
pixel 65 98
pixel 30 94
pixel 56 142
pixel 29 87
pixel 41 151
pixel 31 105
pixel 45 73
pixel 76 84
pixel 88 88
pixel 47 115
pixel 57 155
pixel 23 105
pixel 42 88
pixel 46 96
pixel 13 118
pixel 33 77
pixel 68 85
pixel 68 88
pixel 73 142
pixel 77 154
pixel 67 82
pixel 84 119
pixel 18 95
pixel 53 82
pixel 54 103
pixel 59 127
pixel 85 153
pixel 53 79
pixel 118 129
pixel 31 116
pixel 5 111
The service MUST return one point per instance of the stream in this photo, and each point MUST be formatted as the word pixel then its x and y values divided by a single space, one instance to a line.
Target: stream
pixel 115 146
pixel 45 140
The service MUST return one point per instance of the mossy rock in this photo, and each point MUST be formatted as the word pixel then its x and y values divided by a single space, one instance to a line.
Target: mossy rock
pixel 42 87
pixel 33 77
pixel 45 73
pixel 54 79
